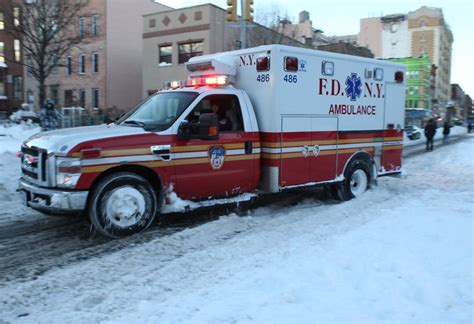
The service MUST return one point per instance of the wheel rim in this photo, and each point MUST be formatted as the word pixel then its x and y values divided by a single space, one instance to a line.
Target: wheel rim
pixel 358 182
pixel 125 207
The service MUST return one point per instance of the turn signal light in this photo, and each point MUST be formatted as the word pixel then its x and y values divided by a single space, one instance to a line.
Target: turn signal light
pixel 90 153
pixel 213 131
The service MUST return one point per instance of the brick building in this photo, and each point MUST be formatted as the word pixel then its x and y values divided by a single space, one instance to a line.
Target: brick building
pixel 105 70
pixel 11 72
pixel 423 31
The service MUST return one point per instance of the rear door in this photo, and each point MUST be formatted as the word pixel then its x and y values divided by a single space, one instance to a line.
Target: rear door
pixel 393 126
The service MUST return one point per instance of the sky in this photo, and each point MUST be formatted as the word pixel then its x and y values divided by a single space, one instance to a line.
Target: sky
pixel 337 17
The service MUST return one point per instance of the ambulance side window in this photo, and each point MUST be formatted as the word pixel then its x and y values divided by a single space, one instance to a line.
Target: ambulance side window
pixel 226 107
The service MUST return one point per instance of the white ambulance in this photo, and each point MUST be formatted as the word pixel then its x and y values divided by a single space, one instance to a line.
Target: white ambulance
pixel 263 119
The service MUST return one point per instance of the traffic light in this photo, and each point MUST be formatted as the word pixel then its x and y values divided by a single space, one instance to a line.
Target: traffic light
pixel 231 10
pixel 248 10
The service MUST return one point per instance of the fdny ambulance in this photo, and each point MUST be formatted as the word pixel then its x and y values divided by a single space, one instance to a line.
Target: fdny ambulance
pixel 262 120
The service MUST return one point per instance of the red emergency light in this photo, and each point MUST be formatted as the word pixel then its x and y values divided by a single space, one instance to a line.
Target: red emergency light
pixel 399 76
pixel 217 80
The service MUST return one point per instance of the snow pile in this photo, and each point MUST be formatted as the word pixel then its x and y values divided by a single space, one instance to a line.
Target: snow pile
pixel 400 253
pixel 23 115
pixel 12 137
pixel 174 204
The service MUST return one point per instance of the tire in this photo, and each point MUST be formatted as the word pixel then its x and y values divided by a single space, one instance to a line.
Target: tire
pixel 356 180
pixel 123 204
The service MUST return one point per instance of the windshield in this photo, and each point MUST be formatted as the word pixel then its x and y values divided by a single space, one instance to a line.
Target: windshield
pixel 159 111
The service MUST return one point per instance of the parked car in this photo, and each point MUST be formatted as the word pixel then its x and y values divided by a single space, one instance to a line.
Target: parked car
pixel 413 132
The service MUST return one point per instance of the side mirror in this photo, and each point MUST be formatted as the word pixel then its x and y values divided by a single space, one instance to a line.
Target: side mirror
pixel 184 130
pixel 206 129
pixel 208 126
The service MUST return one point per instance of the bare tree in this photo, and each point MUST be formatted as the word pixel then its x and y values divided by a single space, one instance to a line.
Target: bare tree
pixel 275 18
pixel 47 31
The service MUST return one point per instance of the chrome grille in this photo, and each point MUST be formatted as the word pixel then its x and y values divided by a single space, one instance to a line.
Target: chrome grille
pixel 34 165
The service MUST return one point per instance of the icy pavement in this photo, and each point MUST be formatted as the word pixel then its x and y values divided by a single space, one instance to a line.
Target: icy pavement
pixel 402 252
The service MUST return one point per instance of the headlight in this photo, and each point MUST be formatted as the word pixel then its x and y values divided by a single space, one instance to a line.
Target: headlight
pixel 68 171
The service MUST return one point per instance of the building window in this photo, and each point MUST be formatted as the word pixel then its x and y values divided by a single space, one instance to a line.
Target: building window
pixel 82 98
pixel 188 50
pixel 54 63
pixel 95 62
pixel 16 48
pixel 82 63
pixel 152 23
pixel 95 98
pixel 54 94
pixel 68 65
pixel 2 57
pixel 29 65
pixel 2 22
pixel 16 16
pixel 17 86
pixel 95 25
pixel 82 26
pixel 2 89
pixel 165 54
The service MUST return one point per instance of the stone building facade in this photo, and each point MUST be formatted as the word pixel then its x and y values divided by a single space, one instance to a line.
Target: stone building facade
pixel 171 38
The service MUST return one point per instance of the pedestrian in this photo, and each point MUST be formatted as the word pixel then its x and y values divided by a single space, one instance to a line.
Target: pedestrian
pixel 49 116
pixel 469 127
pixel 430 131
pixel 446 131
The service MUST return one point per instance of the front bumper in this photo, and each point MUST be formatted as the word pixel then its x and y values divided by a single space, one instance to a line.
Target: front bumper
pixel 52 201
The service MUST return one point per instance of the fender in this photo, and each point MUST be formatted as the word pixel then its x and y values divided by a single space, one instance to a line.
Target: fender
pixel 365 156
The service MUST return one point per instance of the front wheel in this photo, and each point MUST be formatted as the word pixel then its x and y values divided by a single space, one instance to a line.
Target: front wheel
pixel 123 204
pixel 356 182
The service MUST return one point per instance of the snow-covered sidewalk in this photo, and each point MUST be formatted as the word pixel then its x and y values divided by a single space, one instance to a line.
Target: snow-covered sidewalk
pixel 400 253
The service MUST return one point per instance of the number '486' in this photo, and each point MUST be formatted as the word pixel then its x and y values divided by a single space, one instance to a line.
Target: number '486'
pixel 290 78
pixel 263 78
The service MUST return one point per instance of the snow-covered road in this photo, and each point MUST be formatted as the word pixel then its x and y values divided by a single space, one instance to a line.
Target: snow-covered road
pixel 401 253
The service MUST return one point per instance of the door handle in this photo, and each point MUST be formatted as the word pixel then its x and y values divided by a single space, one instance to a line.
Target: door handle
pixel 163 151
pixel 248 147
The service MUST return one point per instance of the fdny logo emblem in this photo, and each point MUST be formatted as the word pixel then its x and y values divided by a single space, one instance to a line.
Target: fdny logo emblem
pixel 216 156
pixel 353 86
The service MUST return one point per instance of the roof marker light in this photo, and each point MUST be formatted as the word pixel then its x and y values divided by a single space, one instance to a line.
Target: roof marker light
pixel 399 76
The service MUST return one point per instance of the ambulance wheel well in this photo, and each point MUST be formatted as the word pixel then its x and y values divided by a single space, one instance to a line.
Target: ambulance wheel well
pixel 364 157
pixel 153 178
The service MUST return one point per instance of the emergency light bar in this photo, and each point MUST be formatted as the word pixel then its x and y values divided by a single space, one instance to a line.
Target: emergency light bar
pixel 222 65
pixel 210 80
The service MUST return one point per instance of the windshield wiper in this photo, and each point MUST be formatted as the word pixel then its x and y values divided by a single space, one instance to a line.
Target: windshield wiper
pixel 134 122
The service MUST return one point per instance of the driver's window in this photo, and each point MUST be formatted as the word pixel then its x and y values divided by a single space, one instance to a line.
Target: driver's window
pixel 227 109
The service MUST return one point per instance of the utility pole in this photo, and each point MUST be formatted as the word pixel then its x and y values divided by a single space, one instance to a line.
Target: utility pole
pixel 246 15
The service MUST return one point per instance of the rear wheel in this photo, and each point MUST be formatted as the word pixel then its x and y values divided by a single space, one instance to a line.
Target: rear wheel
pixel 123 204
pixel 356 182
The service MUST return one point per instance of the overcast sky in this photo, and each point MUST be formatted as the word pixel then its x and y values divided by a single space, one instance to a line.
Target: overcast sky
pixel 338 17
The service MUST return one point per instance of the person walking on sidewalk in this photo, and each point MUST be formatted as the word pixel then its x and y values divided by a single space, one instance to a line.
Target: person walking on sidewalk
pixel 446 131
pixel 430 131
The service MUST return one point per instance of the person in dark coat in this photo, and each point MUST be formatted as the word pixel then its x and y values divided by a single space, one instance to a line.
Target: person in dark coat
pixel 49 116
pixel 446 131
pixel 430 131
